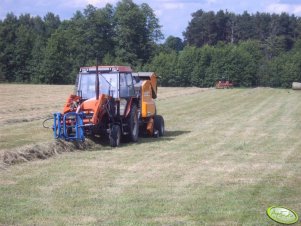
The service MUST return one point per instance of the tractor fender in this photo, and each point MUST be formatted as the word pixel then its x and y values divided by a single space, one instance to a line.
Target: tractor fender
pixel 129 106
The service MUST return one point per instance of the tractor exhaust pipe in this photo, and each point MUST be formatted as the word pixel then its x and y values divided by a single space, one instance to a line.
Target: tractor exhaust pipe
pixel 97 81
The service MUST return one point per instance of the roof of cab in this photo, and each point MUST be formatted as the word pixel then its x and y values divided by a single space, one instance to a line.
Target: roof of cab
pixel 107 69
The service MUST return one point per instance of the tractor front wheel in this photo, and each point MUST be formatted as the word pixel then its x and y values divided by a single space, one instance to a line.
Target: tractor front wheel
pixel 115 136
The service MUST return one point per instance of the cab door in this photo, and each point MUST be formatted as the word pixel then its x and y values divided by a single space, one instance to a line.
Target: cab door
pixel 126 85
pixel 126 91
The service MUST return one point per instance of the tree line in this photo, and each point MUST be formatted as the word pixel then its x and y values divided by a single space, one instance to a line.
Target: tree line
pixel 246 64
pixel 210 28
pixel 259 49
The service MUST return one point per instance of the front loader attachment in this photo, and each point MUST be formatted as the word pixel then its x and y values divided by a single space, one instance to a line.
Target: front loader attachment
pixel 68 126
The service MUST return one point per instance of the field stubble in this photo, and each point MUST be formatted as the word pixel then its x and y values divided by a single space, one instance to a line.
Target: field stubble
pixel 226 157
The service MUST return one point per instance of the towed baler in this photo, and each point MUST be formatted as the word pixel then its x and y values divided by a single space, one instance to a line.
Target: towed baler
pixel 110 101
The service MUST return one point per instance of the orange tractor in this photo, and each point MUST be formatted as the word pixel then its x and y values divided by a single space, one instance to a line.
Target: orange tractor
pixel 110 101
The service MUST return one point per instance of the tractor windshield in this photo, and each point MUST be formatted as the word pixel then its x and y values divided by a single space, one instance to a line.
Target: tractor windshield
pixel 107 84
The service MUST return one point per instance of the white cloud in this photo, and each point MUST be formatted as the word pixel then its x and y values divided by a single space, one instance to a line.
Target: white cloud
pixel 211 1
pixel 158 12
pixel 2 13
pixel 297 10
pixel 282 7
pixel 173 6
pixel 278 8
pixel 100 3
pixel 83 3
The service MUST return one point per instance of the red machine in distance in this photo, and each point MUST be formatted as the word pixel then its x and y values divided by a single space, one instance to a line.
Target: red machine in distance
pixel 222 84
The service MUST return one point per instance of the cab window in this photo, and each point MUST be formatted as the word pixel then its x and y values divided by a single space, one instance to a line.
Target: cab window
pixel 129 82
pixel 126 85
pixel 123 87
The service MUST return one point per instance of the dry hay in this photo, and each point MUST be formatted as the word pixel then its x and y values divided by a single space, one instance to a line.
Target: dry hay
pixel 171 92
pixel 41 151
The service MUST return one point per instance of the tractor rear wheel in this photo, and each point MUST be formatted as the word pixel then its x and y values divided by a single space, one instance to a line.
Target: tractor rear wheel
pixel 133 124
pixel 159 124
pixel 115 136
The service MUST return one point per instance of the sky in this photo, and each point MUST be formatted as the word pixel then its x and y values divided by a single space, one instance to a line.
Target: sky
pixel 174 15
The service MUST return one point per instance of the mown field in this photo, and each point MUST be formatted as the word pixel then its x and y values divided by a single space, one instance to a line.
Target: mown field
pixel 227 156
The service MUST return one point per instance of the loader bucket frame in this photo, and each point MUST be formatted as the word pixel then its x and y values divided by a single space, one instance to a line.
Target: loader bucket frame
pixel 71 121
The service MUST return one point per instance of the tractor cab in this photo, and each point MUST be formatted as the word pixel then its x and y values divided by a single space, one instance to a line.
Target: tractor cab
pixel 116 82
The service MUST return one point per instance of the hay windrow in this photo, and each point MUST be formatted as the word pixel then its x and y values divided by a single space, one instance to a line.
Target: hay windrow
pixel 41 151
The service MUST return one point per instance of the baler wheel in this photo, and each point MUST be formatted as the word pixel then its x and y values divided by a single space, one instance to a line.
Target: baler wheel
pixel 159 124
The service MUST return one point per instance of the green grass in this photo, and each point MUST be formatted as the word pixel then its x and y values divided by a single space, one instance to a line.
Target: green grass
pixel 227 156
